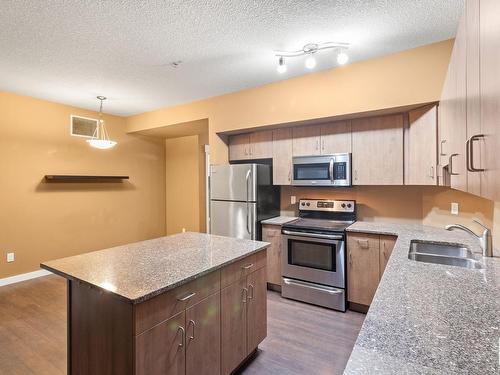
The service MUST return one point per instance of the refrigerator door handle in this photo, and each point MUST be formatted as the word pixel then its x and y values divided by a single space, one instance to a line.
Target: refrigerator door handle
pixel 248 202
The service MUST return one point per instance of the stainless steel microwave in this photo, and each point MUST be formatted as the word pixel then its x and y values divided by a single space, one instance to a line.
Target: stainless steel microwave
pixel 323 170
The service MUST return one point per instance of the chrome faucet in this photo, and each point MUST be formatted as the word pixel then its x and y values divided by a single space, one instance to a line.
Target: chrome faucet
pixel 485 240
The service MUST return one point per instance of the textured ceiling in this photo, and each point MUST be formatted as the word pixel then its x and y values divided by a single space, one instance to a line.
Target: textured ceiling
pixel 69 51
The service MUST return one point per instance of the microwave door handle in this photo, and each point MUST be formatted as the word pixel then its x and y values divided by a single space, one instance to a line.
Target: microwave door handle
pixel 332 177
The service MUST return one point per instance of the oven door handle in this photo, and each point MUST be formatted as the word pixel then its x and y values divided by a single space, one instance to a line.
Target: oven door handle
pixel 304 284
pixel 313 235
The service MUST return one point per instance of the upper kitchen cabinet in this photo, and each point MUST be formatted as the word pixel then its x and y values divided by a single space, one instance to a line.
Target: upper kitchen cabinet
pixel 453 114
pixel 377 147
pixel 336 137
pixel 490 99
pixel 282 156
pixel 248 146
pixel 306 140
pixel 421 147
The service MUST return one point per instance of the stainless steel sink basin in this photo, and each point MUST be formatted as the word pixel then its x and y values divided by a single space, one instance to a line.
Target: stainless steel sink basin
pixel 450 255
pixel 440 249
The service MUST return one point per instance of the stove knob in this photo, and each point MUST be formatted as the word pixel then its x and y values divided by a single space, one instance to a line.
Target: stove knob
pixel 308 204
pixel 342 205
pixel 349 205
pixel 302 204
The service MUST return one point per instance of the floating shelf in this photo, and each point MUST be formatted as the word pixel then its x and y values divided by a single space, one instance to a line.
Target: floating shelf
pixel 81 178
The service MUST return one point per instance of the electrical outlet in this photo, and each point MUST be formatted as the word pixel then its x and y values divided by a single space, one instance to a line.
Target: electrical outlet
pixel 293 199
pixel 454 208
pixel 183 230
pixel 10 257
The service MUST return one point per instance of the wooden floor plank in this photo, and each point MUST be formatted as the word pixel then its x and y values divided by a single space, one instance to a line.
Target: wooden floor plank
pixel 302 339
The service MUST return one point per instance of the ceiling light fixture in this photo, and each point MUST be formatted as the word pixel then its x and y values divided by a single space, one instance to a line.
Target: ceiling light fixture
pixel 281 68
pixel 100 139
pixel 309 50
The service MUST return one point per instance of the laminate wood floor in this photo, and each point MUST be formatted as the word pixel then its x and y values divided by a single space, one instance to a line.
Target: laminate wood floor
pixel 302 339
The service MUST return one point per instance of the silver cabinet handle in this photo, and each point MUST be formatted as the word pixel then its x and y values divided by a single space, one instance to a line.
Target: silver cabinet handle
pixel 356 175
pixel 323 145
pixel 250 288
pixel 304 284
pixel 470 153
pixel 244 292
pixel 312 235
pixel 183 336
pixel 450 165
pixel 186 297
pixel 191 322
pixel 441 151
pixel 248 266
pixel 317 144
pixel 431 172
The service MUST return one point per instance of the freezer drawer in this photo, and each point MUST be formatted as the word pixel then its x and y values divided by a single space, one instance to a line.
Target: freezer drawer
pixel 233 219
pixel 236 182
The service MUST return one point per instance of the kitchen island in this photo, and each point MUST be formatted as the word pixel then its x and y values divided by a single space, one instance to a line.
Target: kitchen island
pixel 190 303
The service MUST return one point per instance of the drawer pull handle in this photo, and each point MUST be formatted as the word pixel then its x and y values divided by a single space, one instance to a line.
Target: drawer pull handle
pixel 185 298
pixel 363 244
pixel 244 292
pixel 250 289
pixel 248 266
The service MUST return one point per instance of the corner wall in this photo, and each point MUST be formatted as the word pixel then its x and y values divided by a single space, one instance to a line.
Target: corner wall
pixel 41 221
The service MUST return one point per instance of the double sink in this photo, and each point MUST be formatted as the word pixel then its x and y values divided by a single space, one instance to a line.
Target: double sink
pixel 440 253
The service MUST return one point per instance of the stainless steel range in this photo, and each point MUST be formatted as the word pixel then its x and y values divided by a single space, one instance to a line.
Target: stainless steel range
pixel 314 253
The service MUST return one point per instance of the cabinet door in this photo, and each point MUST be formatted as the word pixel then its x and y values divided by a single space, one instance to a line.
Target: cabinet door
pixel 473 111
pixel 306 140
pixel 233 325
pixel 203 337
pixel 161 350
pixel 272 234
pixel 282 156
pixel 257 309
pixel 261 144
pixel 453 112
pixel 336 137
pixel 421 150
pixel 490 96
pixel 239 147
pixel 377 147
pixel 363 267
pixel 386 245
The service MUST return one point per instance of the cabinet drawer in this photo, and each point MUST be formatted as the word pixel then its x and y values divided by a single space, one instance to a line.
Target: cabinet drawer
pixel 242 268
pixel 166 305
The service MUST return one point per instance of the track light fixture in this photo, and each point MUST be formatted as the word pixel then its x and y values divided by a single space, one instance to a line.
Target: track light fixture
pixel 309 50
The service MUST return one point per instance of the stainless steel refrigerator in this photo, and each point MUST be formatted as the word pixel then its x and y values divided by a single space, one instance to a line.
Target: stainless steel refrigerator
pixel 241 196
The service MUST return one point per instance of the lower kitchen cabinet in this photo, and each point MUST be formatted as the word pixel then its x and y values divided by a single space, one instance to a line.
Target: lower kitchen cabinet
pixel 272 234
pixel 367 256
pixel 244 319
pixel 161 349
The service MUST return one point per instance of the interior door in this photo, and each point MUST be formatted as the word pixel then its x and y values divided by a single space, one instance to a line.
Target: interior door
pixel 233 219
pixel 161 350
pixel 203 337
pixel 235 182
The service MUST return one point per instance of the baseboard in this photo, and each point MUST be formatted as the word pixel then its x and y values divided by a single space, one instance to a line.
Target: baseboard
pixel 23 277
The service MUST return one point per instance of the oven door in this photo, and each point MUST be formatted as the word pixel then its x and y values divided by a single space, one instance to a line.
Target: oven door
pixel 317 258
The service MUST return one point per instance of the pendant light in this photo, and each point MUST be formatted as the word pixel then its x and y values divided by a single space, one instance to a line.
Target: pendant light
pixel 100 139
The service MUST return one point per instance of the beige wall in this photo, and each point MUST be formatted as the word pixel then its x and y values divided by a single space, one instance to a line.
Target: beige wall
pixel 41 221
pixel 185 203
pixel 408 77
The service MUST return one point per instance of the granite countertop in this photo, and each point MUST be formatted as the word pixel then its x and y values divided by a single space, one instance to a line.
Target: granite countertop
pixel 279 220
pixel 429 318
pixel 139 271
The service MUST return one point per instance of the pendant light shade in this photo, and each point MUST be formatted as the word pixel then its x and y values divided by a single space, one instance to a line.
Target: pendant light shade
pixel 100 139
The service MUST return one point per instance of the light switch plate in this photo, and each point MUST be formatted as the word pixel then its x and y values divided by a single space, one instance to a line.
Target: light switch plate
pixel 293 199
pixel 10 257
pixel 454 208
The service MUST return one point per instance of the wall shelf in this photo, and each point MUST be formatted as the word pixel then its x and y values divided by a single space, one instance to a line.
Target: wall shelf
pixel 83 178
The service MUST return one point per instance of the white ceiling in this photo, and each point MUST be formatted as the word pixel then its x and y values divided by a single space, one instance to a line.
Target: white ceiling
pixel 69 51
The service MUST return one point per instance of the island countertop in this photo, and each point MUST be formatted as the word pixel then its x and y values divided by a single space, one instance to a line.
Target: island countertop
pixel 429 318
pixel 139 271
